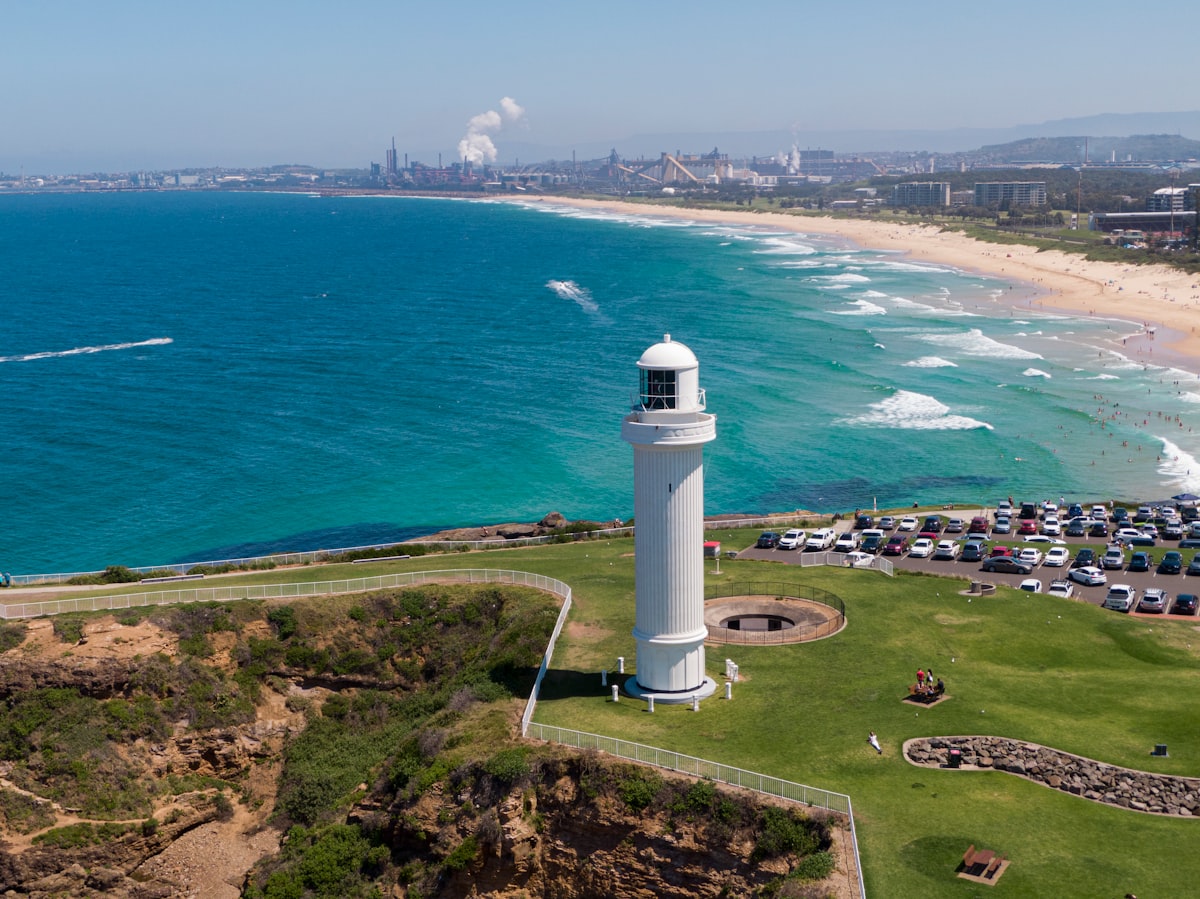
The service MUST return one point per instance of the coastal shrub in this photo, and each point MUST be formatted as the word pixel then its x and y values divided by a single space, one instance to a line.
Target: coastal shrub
pixel 638 789
pixel 782 831
pixel 283 620
pixel 508 765
pixel 24 814
pixel 462 856
pixel 68 629
pixel 12 635
pixel 816 866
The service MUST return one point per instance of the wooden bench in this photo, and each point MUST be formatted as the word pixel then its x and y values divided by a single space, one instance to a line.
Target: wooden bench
pixel 994 866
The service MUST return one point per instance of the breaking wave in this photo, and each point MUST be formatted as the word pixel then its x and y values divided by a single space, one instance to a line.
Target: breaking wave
pixel 914 411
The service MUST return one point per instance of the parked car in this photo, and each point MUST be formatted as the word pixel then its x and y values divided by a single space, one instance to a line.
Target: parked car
pixel 1057 557
pixel 792 538
pixel 1030 555
pixel 1086 557
pixel 1042 538
pixel 1006 565
pixel 1113 560
pixel 1194 565
pixel 1141 540
pixel 847 542
pixel 872 540
pixel 1004 509
pixel 1185 604
pixel 921 548
pixel 1190 543
pixel 1028 526
pixel 767 540
pixel 932 523
pixel 1120 597
pixel 1062 589
pixel 1139 561
pixel 1088 575
pixel 1153 600
pixel 1031 585
pixel 1123 534
pixel 887 523
pixel 1051 527
pixel 908 523
pixel 1001 550
pixel 946 549
pixel 896 545
pixel 858 559
pixel 1074 511
pixel 1003 525
pixel 1098 529
pixel 1173 530
pixel 821 539
pixel 978 525
pixel 1075 529
pixel 1119 514
pixel 974 552
pixel 1172 563
pixel 862 522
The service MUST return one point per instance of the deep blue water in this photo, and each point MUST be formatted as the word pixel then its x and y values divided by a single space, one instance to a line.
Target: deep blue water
pixel 196 376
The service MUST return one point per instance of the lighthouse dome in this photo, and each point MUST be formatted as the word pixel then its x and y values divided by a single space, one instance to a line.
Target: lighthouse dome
pixel 668 356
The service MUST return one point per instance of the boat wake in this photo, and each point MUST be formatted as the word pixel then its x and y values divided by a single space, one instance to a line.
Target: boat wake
pixel 569 290
pixel 85 350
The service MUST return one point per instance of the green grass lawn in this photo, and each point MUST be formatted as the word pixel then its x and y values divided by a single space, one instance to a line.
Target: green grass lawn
pixel 1056 672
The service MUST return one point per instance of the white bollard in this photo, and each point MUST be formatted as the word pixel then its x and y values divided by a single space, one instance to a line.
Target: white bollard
pixel 620 664
pixel 728 690
pixel 695 703
pixel 615 690
pixel 729 667
pixel 649 703
pixel 604 678
pixel 735 673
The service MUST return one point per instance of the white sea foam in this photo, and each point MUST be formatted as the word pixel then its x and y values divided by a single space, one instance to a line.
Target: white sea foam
pixel 930 362
pixel 914 411
pixel 863 307
pixel 844 278
pixel 1181 469
pixel 1035 373
pixel 912 305
pixel 569 290
pixel 1113 378
pixel 875 295
pixel 1189 397
pixel 781 246
pixel 976 343
pixel 84 350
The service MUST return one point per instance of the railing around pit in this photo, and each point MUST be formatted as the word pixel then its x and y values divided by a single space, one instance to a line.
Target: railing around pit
pixel 778 590
pixel 283 591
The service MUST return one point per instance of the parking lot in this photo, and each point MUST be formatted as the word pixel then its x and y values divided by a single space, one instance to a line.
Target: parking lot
pixel 1172 584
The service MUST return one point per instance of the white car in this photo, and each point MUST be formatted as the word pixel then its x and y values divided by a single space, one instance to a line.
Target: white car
pixel 847 542
pixel 1089 575
pixel 946 549
pixel 792 539
pixel 1042 538
pixel 1120 597
pixel 1030 555
pixel 1064 589
pixel 908 523
pixel 1051 527
pixel 858 559
pixel 1057 557
pixel 821 539
pixel 1124 534
pixel 1031 585
pixel 921 548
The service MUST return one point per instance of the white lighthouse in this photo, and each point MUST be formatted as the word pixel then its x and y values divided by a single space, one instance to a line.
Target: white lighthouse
pixel 668 428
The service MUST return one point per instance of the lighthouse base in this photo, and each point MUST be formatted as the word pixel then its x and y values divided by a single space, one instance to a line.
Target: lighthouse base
pixel 637 691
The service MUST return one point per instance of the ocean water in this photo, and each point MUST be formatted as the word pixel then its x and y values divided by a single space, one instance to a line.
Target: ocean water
pixel 198 376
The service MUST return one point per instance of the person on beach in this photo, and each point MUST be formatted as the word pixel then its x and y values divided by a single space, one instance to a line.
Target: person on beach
pixel 874 741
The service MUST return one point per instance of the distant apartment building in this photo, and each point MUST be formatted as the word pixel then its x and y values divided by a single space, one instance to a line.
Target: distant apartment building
pixel 921 193
pixel 1170 199
pixel 1011 193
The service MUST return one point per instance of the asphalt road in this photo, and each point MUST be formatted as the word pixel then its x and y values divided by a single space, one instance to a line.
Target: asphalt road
pixel 1173 584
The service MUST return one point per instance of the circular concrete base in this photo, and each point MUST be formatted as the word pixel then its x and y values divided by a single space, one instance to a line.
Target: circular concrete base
pixel 637 691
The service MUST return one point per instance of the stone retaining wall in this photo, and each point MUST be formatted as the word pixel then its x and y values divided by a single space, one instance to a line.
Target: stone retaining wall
pixel 1153 793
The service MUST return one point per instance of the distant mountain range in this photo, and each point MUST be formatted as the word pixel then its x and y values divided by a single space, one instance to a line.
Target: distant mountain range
pixel 740 144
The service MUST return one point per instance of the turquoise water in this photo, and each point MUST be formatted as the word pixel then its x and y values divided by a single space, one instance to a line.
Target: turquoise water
pixel 196 376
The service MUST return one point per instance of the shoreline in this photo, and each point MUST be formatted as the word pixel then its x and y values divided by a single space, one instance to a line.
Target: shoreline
pixel 1160 305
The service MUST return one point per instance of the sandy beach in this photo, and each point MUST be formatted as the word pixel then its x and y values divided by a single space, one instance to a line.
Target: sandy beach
pixel 1155 309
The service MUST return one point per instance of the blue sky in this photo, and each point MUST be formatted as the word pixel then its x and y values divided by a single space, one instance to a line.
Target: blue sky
pixel 128 84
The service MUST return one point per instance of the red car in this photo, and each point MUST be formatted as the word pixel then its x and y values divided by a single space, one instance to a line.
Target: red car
pixel 978 525
pixel 896 546
pixel 1001 551
pixel 1028 526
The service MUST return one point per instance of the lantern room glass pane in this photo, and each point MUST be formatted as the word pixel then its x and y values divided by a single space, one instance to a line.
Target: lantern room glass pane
pixel 658 389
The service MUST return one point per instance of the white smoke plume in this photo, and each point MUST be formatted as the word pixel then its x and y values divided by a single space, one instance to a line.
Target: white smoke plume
pixel 477 145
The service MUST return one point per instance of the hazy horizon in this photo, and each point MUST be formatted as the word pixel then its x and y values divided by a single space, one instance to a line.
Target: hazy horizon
pixel 161 87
